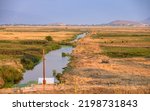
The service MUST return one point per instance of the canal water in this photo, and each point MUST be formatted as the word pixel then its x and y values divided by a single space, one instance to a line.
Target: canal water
pixel 54 61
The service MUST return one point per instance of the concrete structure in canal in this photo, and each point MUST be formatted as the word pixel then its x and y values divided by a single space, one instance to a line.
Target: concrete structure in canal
pixel 48 80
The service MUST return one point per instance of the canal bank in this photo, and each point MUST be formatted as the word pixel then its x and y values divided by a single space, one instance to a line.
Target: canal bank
pixel 54 62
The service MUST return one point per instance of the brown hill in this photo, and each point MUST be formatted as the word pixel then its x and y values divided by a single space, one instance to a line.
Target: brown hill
pixel 125 23
pixel 147 21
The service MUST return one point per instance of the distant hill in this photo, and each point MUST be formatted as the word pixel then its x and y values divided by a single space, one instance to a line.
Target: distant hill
pixel 125 23
pixel 57 24
pixel 146 21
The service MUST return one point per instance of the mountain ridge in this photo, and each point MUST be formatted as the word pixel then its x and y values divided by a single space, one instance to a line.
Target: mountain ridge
pixel 125 23
pixel 147 21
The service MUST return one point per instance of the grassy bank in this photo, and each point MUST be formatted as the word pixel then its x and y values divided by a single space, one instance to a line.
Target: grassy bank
pixel 126 52
pixel 129 34
pixel 27 52
pixel 68 41
pixel 21 48
pixel 89 68
pixel 9 76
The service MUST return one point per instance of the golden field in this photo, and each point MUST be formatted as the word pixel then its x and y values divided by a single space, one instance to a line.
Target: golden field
pixel 112 60
pixel 35 33
pixel 19 33
pixel 109 60
pixel 21 48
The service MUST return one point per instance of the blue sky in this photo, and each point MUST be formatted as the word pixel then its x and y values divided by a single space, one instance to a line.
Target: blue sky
pixel 72 11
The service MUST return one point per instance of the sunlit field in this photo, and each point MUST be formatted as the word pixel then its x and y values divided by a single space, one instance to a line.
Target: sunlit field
pixel 21 48
pixel 114 60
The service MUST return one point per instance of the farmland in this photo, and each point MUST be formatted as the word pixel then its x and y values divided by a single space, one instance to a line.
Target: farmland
pixel 21 49
pixel 36 33
pixel 109 60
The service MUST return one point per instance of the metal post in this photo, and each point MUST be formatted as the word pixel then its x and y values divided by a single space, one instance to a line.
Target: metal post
pixel 44 80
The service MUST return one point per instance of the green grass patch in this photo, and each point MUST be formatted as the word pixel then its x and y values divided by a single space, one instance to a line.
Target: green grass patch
pixel 126 52
pixel 65 54
pixel 11 52
pixel 5 41
pixel 29 61
pixel 68 41
pixel 100 35
pixel 29 84
pixel 10 75
pixel 33 42
pixel 28 52
pixel 146 39
pixel 51 46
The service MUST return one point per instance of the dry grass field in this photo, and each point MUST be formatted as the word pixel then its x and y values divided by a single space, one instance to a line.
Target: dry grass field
pixel 21 48
pixel 35 33
pixel 109 60
pixel 112 60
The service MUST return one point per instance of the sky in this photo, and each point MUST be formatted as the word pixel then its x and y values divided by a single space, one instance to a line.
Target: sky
pixel 72 11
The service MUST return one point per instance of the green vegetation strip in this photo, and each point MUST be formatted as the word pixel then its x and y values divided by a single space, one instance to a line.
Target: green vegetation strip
pixel 99 35
pixel 9 76
pixel 28 52
pixel 126 52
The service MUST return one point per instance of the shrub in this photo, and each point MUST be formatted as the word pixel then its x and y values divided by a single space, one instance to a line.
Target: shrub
pixel 49 38
pixel 1 82
pixel 52 46
pixel 29 61
pixel 58 77
pixel 10 75
pixel 65 54
pixel 105 61
pixel 54 73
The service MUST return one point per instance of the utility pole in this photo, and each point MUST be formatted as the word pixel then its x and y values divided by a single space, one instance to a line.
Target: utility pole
pixel 44 75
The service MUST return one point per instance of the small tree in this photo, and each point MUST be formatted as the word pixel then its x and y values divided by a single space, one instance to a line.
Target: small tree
pixel 2 82
pixel 54 73
pixel 49 38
